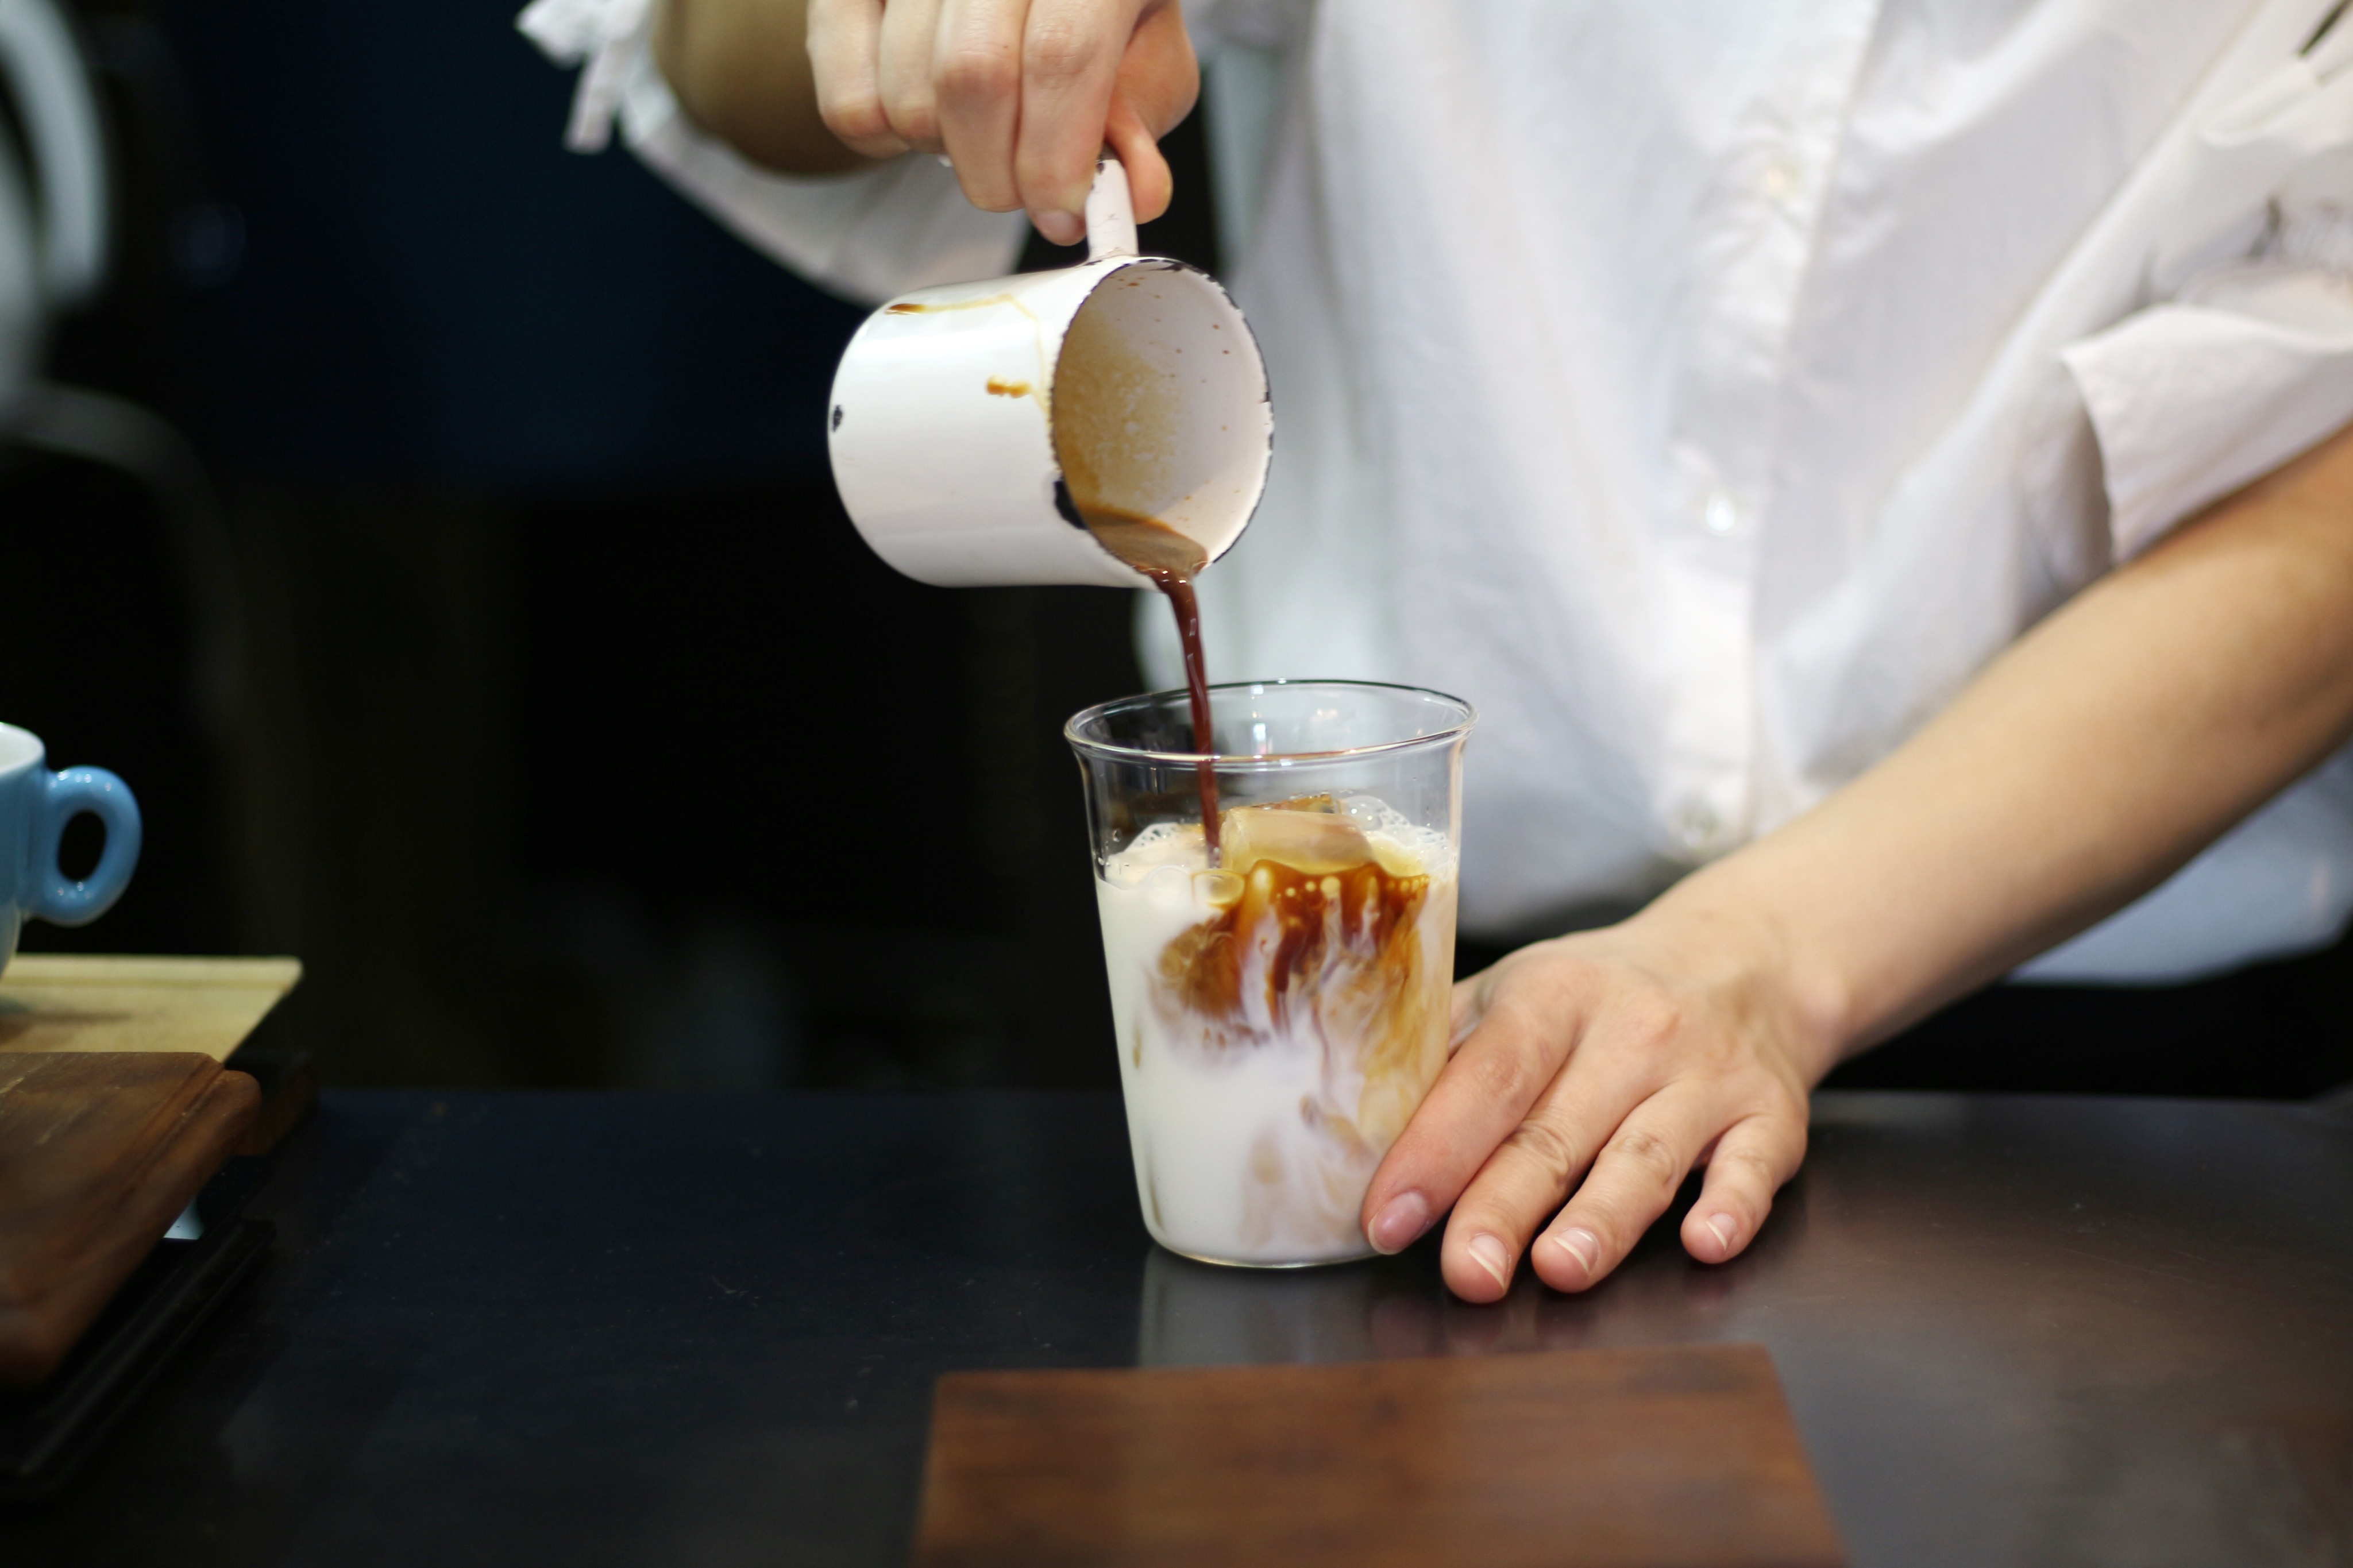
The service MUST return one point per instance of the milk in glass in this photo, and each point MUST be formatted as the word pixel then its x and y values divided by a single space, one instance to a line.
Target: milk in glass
pixel 1279 1016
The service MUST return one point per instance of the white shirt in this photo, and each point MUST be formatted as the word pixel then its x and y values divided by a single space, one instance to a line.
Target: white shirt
pixel 1708 389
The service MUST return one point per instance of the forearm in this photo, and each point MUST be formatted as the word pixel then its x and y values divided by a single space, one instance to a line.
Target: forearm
pixel 741 70
pixel 2088 762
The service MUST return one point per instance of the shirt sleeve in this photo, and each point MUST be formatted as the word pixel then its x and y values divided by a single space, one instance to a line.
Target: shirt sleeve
pixel 866 236
pixel 2246 359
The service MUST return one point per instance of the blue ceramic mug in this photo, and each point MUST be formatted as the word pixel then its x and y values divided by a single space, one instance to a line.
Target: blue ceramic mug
pixel 35 806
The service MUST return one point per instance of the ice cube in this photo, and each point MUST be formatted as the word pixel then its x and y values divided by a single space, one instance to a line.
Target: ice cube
pixel 1217 889
pixel 1398 859
pixel 1162 843
pixel 1169 885
pixel 1310 840
pixel 1324 803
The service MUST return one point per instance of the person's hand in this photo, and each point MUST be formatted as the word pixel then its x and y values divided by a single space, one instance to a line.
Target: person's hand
pixel 1609 1064
pixel 1021 95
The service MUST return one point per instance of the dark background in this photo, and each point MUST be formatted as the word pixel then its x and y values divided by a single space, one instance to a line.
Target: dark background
pixel 556 719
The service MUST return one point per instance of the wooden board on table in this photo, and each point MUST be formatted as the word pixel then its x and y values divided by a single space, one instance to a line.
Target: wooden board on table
pixel 1674 1455
pixel 99 1153
pixel 77 1002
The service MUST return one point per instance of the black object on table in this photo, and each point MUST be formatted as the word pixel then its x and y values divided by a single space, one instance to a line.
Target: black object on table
pixel 702 1329
pixel 49 1432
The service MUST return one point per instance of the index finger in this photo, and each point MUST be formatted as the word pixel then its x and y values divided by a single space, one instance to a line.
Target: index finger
pixel 1483 1094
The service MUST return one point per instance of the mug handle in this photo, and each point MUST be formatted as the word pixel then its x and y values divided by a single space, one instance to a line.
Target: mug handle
pixel 66 796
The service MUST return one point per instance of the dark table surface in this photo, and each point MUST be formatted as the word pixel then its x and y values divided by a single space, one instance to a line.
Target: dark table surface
pixel 696 1329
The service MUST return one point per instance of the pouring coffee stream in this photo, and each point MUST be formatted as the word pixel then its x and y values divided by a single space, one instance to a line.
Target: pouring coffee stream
pixel 1170 560
pixel 1107 423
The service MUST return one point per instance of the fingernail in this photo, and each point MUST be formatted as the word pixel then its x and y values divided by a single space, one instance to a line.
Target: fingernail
pixel 1581 1245
pixel 1063 228
pixel 1400 1223
pixel 1489 1254
pixel 1725 1230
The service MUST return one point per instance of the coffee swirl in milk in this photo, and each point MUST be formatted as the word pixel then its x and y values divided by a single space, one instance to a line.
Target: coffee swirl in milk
pixel 1280 1016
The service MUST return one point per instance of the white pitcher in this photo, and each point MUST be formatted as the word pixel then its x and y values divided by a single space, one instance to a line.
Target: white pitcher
pixel 963 416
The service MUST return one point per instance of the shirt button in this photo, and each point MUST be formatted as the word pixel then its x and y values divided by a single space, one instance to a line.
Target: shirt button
pixel 1695 825
pixel 1781 175
pixel 1720 514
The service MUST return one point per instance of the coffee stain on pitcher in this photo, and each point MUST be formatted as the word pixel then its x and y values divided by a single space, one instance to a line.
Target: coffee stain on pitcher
pixel 929 308
pixel 1038 388
pixel 1116 419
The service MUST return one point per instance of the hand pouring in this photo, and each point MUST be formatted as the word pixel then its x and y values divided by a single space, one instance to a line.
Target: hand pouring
pixel 976 426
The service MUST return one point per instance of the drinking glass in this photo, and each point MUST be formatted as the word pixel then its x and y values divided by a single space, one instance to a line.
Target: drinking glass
pixel 1281 1004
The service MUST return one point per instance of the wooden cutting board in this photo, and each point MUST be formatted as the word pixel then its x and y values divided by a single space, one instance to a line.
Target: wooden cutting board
pixel 1676 1455
pixel 98 1002
pixel 99 1153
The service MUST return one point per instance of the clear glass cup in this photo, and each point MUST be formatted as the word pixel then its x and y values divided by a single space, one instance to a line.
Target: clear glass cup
pixel 1281 1006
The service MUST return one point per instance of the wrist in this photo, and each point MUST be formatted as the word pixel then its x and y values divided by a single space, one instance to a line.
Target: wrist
pixel 1747 948
pixel 741 73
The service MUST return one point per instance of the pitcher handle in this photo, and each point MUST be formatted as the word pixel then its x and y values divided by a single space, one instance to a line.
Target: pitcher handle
pixel 1111 210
